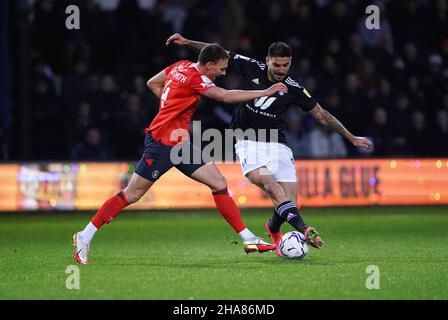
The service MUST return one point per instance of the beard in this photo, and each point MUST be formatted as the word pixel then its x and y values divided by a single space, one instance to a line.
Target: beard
pixel 279 76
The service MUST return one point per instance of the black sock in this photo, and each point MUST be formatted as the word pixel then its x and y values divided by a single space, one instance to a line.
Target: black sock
pixel 275 222
pixel 287 211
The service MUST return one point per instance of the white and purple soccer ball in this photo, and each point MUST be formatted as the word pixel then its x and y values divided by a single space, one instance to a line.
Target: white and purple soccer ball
pixel 293 245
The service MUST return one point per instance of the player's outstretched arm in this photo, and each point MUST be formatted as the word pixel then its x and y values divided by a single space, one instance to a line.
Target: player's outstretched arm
pixel 329 121
pixel 156 83
pixel 182 41
pixel 235 96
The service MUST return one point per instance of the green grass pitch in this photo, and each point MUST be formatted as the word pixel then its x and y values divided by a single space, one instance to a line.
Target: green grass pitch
pixel 196 255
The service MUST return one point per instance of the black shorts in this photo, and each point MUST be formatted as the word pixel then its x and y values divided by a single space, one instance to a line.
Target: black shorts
pixel 158 158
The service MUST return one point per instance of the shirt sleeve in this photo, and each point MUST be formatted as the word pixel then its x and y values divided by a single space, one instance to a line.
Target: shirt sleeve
pixel 169 68
pixel 243 65
pixel 200 83
pixel 304 99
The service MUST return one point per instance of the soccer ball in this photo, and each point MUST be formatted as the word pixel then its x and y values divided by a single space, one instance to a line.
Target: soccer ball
pixel 293 245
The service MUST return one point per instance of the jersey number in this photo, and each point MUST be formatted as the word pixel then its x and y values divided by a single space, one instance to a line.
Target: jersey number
pixel 165 92
pixel 264 102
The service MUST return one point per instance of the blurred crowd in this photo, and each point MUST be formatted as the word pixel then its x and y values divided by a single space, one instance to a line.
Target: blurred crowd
pixel 89 98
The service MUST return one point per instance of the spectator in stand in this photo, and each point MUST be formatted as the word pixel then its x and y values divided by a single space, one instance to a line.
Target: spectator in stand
pixel 84 119
pixel 353 101
pixel 76 85
pixel 400 119
pixel 90 77
pixel 91 148
pixel 105 100
pixel 381 133
pixel 419 132
pixel 128 135
pixel 440 146
pixel 294 133
pixel 323 143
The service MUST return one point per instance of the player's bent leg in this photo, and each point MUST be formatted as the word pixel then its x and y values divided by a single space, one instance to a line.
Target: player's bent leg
pixel 110 209
pixel 154 162
pixel 265 180
pixel 290 190
pixel 210 175
pixel 310 233
pixel 136 188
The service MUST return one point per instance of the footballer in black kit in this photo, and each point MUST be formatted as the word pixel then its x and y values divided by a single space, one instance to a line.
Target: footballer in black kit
pixel 268 163
pixel 266 112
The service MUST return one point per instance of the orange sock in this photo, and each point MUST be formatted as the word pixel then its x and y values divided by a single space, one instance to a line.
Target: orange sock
pixel 229 210
pixel 110 209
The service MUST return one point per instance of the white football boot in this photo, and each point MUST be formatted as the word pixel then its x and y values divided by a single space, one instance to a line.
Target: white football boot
pixel 81 249
pixel 257 245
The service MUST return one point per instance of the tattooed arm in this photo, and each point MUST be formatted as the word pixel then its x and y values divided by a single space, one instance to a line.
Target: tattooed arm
pixel 327 120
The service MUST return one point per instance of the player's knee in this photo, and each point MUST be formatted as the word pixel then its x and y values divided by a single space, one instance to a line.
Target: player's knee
pixel 133 196
pixel 268 186
pixel 220 183
pixel 271 188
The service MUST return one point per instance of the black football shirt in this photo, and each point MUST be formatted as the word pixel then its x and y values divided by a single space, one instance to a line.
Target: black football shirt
pixel 265 112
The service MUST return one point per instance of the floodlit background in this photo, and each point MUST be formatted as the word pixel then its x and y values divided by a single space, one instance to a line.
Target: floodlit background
pixel 74 104
pixel 81 94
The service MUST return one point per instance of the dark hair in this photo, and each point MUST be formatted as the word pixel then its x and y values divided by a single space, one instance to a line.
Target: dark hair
pixel 279 49
pixel 212 53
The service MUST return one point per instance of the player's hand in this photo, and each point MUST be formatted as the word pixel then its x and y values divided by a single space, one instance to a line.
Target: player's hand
pixel 177 39
pixel 362 142
pixel 278 87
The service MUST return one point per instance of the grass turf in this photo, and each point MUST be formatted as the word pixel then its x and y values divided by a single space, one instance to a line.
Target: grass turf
pixel 194 255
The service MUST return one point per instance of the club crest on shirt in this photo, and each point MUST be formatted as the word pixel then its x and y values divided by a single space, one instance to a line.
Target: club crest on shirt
pixel 155 174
